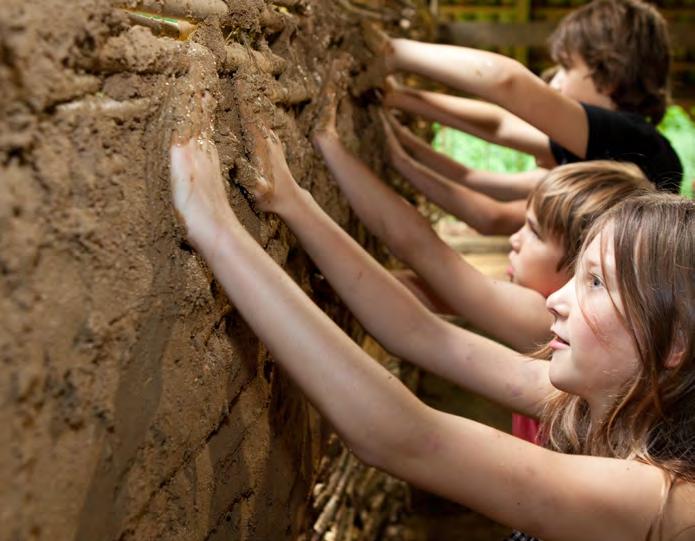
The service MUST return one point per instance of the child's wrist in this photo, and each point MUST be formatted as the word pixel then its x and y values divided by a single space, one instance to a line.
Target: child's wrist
pixel 294 205
pixel 205 234
pixel 288 199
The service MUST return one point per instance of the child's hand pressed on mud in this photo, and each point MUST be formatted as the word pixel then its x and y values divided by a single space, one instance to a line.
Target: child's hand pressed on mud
pixel 270 180
pixel 197 188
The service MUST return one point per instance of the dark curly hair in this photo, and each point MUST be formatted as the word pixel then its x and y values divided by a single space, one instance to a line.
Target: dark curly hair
pixel 626 45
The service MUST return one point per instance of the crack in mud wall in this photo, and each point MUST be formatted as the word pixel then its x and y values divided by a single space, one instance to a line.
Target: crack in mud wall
pixel 136 402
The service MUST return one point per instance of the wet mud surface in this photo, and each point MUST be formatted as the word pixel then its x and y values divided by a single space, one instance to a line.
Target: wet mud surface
pixel 136 402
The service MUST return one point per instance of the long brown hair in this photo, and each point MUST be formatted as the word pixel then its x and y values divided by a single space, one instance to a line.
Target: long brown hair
pixel 653 417
pixel 626 46
pixel 570 197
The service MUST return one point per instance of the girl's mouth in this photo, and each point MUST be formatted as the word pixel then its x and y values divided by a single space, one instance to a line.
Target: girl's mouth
pixel 559 343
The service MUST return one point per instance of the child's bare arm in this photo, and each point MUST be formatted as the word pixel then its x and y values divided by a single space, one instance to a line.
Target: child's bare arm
pixel 500 80
pixel 485 120
pixel 500 186
pixel 512 481
pixel 486 215
pixel 479 299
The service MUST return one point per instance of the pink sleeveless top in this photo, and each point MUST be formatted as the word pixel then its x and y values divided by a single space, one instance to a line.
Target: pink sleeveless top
pixel 525 428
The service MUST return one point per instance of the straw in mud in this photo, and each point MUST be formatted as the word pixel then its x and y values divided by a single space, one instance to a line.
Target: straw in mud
pixel 169 26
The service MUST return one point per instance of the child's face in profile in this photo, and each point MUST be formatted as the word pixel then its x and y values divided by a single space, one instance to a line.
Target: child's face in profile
pixel 575 82
pixel 593 352
pixel 534 258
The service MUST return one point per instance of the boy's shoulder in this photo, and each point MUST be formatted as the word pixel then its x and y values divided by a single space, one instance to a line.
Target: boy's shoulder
pixel 628 137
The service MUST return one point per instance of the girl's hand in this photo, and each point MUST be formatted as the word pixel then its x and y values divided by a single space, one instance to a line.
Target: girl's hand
pixel 197 186
pixel 269 181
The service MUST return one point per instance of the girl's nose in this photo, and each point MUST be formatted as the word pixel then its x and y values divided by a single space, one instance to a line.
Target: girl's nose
pixel 515 240
pixel 558 303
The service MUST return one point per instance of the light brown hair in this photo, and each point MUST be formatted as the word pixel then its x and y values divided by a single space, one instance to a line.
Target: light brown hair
pixel 625 44
pixel 570 197
pixel 653 417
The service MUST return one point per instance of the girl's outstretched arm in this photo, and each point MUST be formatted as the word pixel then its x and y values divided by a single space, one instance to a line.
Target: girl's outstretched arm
pixel 481 300
pixel 514 482
pixel 482 119
pixel 483 213
pixel 498 79
pixel 500 186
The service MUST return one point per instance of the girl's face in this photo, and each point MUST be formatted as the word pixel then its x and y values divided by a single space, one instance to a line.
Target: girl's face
pixel 534 258
pixel 593 352
pixel 575 82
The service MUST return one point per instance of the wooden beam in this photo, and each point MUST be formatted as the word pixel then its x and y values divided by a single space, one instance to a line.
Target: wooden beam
pixel 487 34
pixel 529 34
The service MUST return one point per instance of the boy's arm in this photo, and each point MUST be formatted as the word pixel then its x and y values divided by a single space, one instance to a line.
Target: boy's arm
pixel 485 120
pixel 479 299
pixel 500 186
pixel 484 214
pixel 500 80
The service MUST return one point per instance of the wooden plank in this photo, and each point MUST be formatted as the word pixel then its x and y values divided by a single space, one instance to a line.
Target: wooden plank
pixel 487 34
pixel 454 12
pixel 529 34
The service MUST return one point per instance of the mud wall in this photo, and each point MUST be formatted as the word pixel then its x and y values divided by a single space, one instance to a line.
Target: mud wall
pixel 135 403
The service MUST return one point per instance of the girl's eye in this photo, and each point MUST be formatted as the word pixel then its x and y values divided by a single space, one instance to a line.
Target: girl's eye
pixel 532 231
pixel 595 280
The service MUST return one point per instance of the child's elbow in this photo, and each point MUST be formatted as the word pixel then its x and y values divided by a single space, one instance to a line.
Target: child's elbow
pixel 400 444
pixel 511 82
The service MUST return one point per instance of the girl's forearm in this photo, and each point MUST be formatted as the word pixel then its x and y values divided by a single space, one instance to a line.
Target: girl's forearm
pixel 394 317
pixel 381 210
pixel 378 300
pixel 500 186
pixel 365 403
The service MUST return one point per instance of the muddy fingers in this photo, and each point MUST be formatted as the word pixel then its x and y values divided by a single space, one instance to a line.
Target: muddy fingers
pixel 334 86
pixel 268 178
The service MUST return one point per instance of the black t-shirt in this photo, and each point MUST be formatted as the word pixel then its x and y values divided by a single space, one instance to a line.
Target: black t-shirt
pixel 627 137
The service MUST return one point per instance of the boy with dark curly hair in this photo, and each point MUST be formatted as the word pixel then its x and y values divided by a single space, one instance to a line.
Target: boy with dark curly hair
pixel 608 93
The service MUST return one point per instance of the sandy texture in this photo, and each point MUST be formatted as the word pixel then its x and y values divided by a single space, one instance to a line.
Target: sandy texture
pixel 135 402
